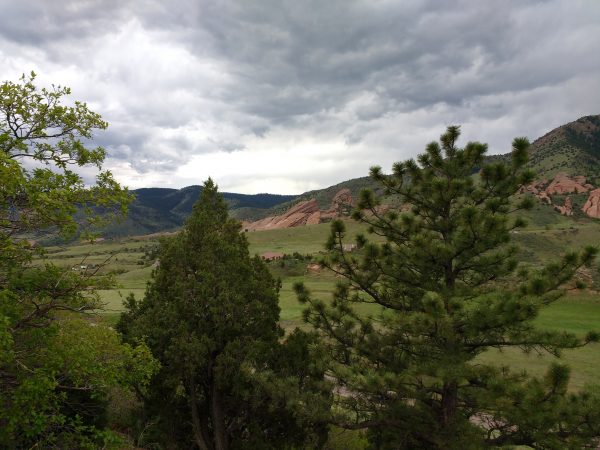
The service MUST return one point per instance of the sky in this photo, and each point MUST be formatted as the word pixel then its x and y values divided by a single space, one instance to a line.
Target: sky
pixel 288 96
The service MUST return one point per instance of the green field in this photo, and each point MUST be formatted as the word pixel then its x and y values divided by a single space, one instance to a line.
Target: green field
pixel 545 239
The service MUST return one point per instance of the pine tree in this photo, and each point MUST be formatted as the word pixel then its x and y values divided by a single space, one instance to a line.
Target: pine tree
pixel 444 281
pixel 210 316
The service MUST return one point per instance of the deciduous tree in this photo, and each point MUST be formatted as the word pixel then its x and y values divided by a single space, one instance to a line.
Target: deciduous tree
pixel 50 355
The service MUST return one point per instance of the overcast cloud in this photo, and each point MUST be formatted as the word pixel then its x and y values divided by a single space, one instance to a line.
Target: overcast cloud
pixel 287 96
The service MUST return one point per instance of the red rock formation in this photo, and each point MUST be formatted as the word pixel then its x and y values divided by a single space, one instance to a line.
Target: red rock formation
pixel 341 205
pixel 296 216
pixel 533 188
pixel 544 198
pixel 562 184
pixel 314 218
pixel 566 209
pixel 306 213
pixel 342 200
pixel 592 205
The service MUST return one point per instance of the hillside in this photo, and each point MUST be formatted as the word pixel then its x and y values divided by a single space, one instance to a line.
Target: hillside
pixel 325 196
pixel 573 148
pixel 162 209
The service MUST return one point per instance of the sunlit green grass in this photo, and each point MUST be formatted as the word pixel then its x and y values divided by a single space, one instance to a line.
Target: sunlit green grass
pixel 305 240
pixel 543 241
pixel 575 313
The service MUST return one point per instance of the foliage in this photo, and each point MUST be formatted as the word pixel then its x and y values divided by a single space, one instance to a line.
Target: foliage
pixel 36 126
pixel 448 289
pixel 210 316
pixel 55 368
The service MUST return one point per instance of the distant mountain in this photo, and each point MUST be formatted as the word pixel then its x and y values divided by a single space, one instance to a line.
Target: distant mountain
pixel 162 209
pixel 573 149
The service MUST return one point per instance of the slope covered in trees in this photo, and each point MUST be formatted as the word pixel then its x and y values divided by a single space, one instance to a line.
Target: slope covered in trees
pixel 161 209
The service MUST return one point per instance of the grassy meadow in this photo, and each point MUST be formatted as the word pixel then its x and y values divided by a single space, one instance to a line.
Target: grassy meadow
pixel 547 237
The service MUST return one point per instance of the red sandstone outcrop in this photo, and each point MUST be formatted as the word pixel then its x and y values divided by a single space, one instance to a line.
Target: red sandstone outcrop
pixel 592 205
pixel 544 198
pixel 306 213
pixel 534 188
pixel 566 209
pixel 342 200
pixel 562 184
pixel 341 204
pixel 301 214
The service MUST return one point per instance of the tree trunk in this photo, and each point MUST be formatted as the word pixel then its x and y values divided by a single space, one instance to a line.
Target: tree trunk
pixel 199 436
pixel 218 419
pixel 449 402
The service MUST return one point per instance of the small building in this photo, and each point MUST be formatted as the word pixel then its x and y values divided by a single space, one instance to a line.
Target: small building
pixel 349 247
pixel 271 256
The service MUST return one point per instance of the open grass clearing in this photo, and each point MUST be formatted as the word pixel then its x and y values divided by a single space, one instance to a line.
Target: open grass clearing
pixel 575 313
pixel 542 242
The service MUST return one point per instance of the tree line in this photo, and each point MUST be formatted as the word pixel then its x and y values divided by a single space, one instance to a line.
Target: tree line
pixel 203 355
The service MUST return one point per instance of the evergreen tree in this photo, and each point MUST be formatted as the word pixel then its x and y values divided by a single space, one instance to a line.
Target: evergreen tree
pixel 444 281
pixel 210 315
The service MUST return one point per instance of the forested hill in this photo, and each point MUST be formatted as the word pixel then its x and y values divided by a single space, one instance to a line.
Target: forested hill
pixel 573 148
pixel 163 209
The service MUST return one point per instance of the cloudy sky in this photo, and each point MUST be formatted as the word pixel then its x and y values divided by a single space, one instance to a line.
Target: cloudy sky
pixel 287 96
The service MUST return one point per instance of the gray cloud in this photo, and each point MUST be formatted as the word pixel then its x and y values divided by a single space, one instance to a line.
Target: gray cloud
pixel 370 82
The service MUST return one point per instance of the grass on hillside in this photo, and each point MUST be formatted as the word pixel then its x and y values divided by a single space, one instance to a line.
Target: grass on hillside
pixel 305 240
pixel 548 235
pixel 575 313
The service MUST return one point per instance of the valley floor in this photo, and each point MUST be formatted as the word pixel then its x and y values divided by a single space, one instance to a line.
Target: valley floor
pixel 579 311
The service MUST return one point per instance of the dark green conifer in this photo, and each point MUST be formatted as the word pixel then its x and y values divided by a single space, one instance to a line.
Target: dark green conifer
pixel 445 282
pixel 210 316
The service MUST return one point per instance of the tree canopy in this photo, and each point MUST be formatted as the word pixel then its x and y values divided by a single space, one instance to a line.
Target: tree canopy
pixel 210 316
pixel 444 282
pixel 56 364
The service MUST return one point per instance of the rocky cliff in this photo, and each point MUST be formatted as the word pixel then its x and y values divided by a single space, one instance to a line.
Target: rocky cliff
pixel 306 213
pixel 592 206
pixel 563 184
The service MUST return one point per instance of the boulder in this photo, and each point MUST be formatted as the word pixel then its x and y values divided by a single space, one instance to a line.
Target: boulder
pixel 562 184
pixel 313 267
pixel 566 209
pixel 544 198
pixel 592 205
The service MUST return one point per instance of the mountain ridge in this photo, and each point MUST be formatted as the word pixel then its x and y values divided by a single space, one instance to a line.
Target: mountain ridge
pixel 572 149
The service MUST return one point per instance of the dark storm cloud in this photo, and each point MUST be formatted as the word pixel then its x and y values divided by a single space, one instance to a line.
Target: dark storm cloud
pixel 182 79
